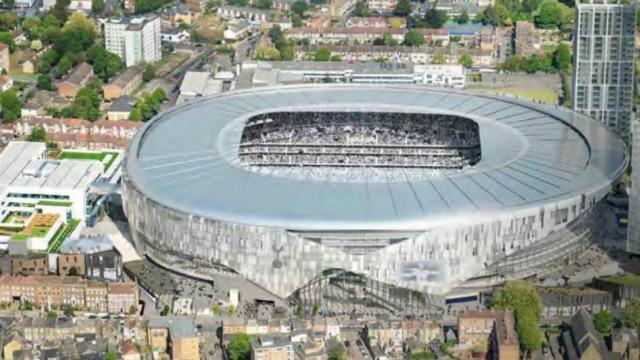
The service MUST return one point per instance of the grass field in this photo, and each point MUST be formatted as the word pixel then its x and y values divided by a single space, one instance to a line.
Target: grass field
pixel 544 95
pixel 63 232
pixel 55 202
pixel 81 155
pixel 631 280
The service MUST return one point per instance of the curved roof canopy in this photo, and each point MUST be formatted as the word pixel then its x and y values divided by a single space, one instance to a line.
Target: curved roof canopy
pixel 186 159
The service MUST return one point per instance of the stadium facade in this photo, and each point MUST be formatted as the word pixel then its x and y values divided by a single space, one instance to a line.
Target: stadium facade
pixel 289 188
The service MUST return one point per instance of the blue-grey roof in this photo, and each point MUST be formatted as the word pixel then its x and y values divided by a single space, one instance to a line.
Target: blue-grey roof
pixel 532 155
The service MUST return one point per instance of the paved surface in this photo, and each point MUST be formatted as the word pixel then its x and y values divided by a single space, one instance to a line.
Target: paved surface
pixel 118 233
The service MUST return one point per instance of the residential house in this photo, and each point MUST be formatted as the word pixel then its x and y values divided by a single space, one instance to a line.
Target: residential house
pixel 196 5
pixel 475 327
pixel 70 84
pixel 32 264
pixel 198 84
pixel 238 29
pixel 123 84
pixel 42 101
pixel 27 67
pixel 6 82
pixel 128 351
pixel 121 108
pixel 122 297
pixel 266 347
pixel 382 6
pixel 504 338
pixel 582 341
pixel 376 22
pixel 12 344
pixel 623 288
pixel 234 327
pixel 624 341
pixel 175 335
pixel 229 12
pixel 71 264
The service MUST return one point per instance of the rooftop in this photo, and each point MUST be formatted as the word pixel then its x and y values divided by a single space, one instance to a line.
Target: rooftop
pixel 516 137
pixel 179 327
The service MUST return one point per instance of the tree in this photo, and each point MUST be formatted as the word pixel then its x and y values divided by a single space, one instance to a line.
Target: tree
pixel 265 4
pixel 52 315
pixel 403 8
pixel 238 2
pixel 413 38
pixel 64 65
pixel 361 9
pixel 159 95
pixel 38 134
pixel 466 60
pixel 105 64
pixel 133 310
pixel 463 18
pixel 562 57
pixel 550 15
pixel 11 107
pixel 603 321
pixel 68 310
pixel 8 20
pixel 231 310
pixel 299 7
pixel 165 310
pixel 77 34
pixel 335 58
pixel 434 18
pixel 239 347
pixel 111 356
pixel 148 73
pixel 299 310
pixel 314 309
pixel 74 271
pixel 215 309
pixel 323 54
pixel 44 82
pixel 135 115
pixel 97 6
pixel 337 352
pixel 7 38
pixel 533 64
pixel 630 314
pixel 36 45
pixel 269 53
pixel 521 297
pixel 32 26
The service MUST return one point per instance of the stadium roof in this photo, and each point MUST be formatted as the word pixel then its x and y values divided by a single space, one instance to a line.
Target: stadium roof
pixel 532 155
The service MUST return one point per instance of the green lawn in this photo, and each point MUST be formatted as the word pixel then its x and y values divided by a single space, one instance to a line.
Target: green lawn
pixel 55 202
pixel 81 155
pixel 631 280
pixel 20 236
pixel 545 95
pixel 63 232
pixel 40 231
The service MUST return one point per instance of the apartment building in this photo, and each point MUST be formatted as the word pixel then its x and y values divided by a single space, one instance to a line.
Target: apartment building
pixel 175 336
pixel 382 6
pixel 135 40
pixel 271 348
pixel 69 290
pixel 604 62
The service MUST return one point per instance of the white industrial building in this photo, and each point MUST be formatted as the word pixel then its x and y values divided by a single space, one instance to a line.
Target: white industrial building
pixel 135 40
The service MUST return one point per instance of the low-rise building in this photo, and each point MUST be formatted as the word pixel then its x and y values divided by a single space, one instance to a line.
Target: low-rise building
pixel 104 265
pixel 382 6
pixel 504 338
pixel 475 328
pixel 197 84
pixel 174 35
pixel 267 347
pixel 176 335
pixel 6 82
pixel 376 22
pixel 238 29
pixel 123 84
pixel 122 297
pixel 70 84
pixel 41 102
pixel 624 341
pixel 582 340
pixel 33 264
pixel 566 302
pixel 526 39
pixel 121 108
pixel 623 288
pixel 71 264
pixel 5 62
pixel 229 12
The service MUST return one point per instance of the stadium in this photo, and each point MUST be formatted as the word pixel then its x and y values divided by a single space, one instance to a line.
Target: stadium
pixel 380 196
